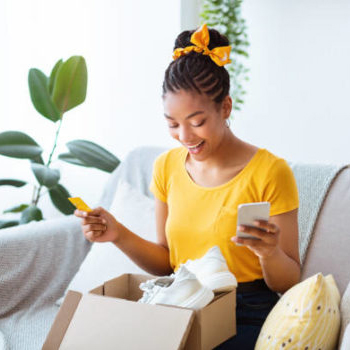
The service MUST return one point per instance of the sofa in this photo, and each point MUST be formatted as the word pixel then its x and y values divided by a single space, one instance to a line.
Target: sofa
pixel 38 260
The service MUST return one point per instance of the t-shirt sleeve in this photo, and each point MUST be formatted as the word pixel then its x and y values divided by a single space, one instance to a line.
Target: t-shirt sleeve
pixel 281 189
pixel 158 181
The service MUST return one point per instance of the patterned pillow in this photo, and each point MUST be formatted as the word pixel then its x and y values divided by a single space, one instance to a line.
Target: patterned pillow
pixel 306 317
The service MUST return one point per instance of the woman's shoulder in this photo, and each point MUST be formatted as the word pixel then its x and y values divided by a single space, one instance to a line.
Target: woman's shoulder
pixel 271 158
pixel 274 166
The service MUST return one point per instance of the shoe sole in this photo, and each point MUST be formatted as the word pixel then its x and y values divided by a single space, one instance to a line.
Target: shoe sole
pixel 220 282
pixel 199 299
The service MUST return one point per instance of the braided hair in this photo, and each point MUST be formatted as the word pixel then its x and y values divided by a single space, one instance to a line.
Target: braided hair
pixel 197 72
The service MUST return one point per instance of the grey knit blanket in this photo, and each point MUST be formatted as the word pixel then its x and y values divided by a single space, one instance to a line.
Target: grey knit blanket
pixel 37 261
pixel 313 181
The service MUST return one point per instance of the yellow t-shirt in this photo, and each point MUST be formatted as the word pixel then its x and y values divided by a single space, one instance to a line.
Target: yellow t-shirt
pixel 201 217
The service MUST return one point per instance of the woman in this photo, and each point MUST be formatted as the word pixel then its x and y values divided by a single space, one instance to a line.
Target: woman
pixel 199 185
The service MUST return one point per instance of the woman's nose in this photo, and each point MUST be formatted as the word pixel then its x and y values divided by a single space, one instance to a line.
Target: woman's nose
pixel 184 134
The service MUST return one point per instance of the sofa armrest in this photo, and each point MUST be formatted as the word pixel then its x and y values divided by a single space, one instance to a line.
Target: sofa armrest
pixel 38 260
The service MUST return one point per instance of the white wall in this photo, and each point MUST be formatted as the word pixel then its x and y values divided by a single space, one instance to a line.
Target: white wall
pixel 298 101
pixel 127 46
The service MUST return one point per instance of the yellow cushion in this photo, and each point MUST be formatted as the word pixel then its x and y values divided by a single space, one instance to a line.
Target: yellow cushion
pixel 306 317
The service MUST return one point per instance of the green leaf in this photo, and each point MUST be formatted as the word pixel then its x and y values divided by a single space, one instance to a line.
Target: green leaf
pixel 46 176
pixel 38 160
pixel 16 209
pixel 39 93
pixel 53 75
pixel 16 144
pixel 70 84
pixel 32 213
pixel 93 155
pixel 10 223
pixel 69 158
pixel 59 197
pixel 12 182
pixel 242 52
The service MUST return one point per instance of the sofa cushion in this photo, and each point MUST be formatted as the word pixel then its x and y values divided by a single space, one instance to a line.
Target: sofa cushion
pixel 2 342
pixel 136 169
pixel 307 316
pixel 328 250
pixel 345 312
pixel 105 260
pixel 345 344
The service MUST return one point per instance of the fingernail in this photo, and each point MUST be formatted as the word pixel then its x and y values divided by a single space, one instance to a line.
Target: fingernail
pixel 241 228
pixel 256 222
pixel 104 221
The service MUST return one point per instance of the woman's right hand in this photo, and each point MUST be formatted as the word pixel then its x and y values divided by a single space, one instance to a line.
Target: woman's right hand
pixel 99 225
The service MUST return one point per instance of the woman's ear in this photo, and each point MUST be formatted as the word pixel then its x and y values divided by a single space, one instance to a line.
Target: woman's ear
pixel 227 106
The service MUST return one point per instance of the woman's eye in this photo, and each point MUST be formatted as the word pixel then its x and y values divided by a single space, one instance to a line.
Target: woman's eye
pixel 196 126
pixel 200 124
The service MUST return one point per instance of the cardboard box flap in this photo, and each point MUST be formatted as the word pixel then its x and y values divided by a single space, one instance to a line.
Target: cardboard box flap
pixel 62 320
pixel 102 322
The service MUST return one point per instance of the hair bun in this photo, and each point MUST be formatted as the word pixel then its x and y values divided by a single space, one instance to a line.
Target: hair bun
pixel 215 39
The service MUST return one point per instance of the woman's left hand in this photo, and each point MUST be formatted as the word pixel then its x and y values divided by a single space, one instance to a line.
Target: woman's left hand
pixel 268 235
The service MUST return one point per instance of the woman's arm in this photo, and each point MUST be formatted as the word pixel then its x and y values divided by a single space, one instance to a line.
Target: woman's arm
pixel 100 226
pixel 282 268
pixel 278 249
pixel 152 257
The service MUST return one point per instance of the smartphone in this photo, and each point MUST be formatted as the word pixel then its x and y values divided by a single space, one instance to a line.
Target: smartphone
pixel 248 212
pixel 79 204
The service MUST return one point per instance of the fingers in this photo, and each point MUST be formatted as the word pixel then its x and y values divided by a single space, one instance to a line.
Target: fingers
pixel 266 241
pixel 93 231
pixel 82 214
pixel 251 242
pixel 92 235
pixel 265 232
pixel 256 232
pixel 272 228
pixel 95 227
pixel 94 220
pixel 96 212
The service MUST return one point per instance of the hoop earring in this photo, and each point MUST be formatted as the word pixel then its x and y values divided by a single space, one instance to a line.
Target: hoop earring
pixel 228 122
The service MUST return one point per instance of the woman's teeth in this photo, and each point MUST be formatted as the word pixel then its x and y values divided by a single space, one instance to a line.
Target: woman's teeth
pixel 197 148
pixel 192 147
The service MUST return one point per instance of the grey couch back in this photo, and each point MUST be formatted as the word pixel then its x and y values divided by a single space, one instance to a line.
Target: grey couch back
pixel 329 248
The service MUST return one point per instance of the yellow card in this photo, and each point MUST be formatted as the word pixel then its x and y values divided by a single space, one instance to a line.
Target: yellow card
pixel 79 204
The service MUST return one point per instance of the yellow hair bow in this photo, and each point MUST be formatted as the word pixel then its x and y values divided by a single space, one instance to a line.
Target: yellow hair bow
pixel 200 38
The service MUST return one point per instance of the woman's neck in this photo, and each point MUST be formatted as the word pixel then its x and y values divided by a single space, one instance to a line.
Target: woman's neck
pixel 227 154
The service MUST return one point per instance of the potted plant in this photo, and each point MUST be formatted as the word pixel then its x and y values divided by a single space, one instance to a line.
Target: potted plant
pixel 52 96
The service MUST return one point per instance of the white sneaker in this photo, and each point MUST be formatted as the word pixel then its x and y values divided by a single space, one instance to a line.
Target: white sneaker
pixel 152 286
pixel 212 271
pixel 185 290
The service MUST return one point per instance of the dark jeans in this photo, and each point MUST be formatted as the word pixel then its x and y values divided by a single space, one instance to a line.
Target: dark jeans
pixel 251 312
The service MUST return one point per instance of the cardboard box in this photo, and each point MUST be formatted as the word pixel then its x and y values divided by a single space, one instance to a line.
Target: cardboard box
pixel 108 317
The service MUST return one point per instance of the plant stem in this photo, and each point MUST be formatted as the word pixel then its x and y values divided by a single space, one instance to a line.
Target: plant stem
pixel 33 195
pixel 37 196
pixel 54 146
pixel 49 161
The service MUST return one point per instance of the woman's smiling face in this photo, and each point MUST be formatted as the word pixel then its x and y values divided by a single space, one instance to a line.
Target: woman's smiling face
pixel 195 120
